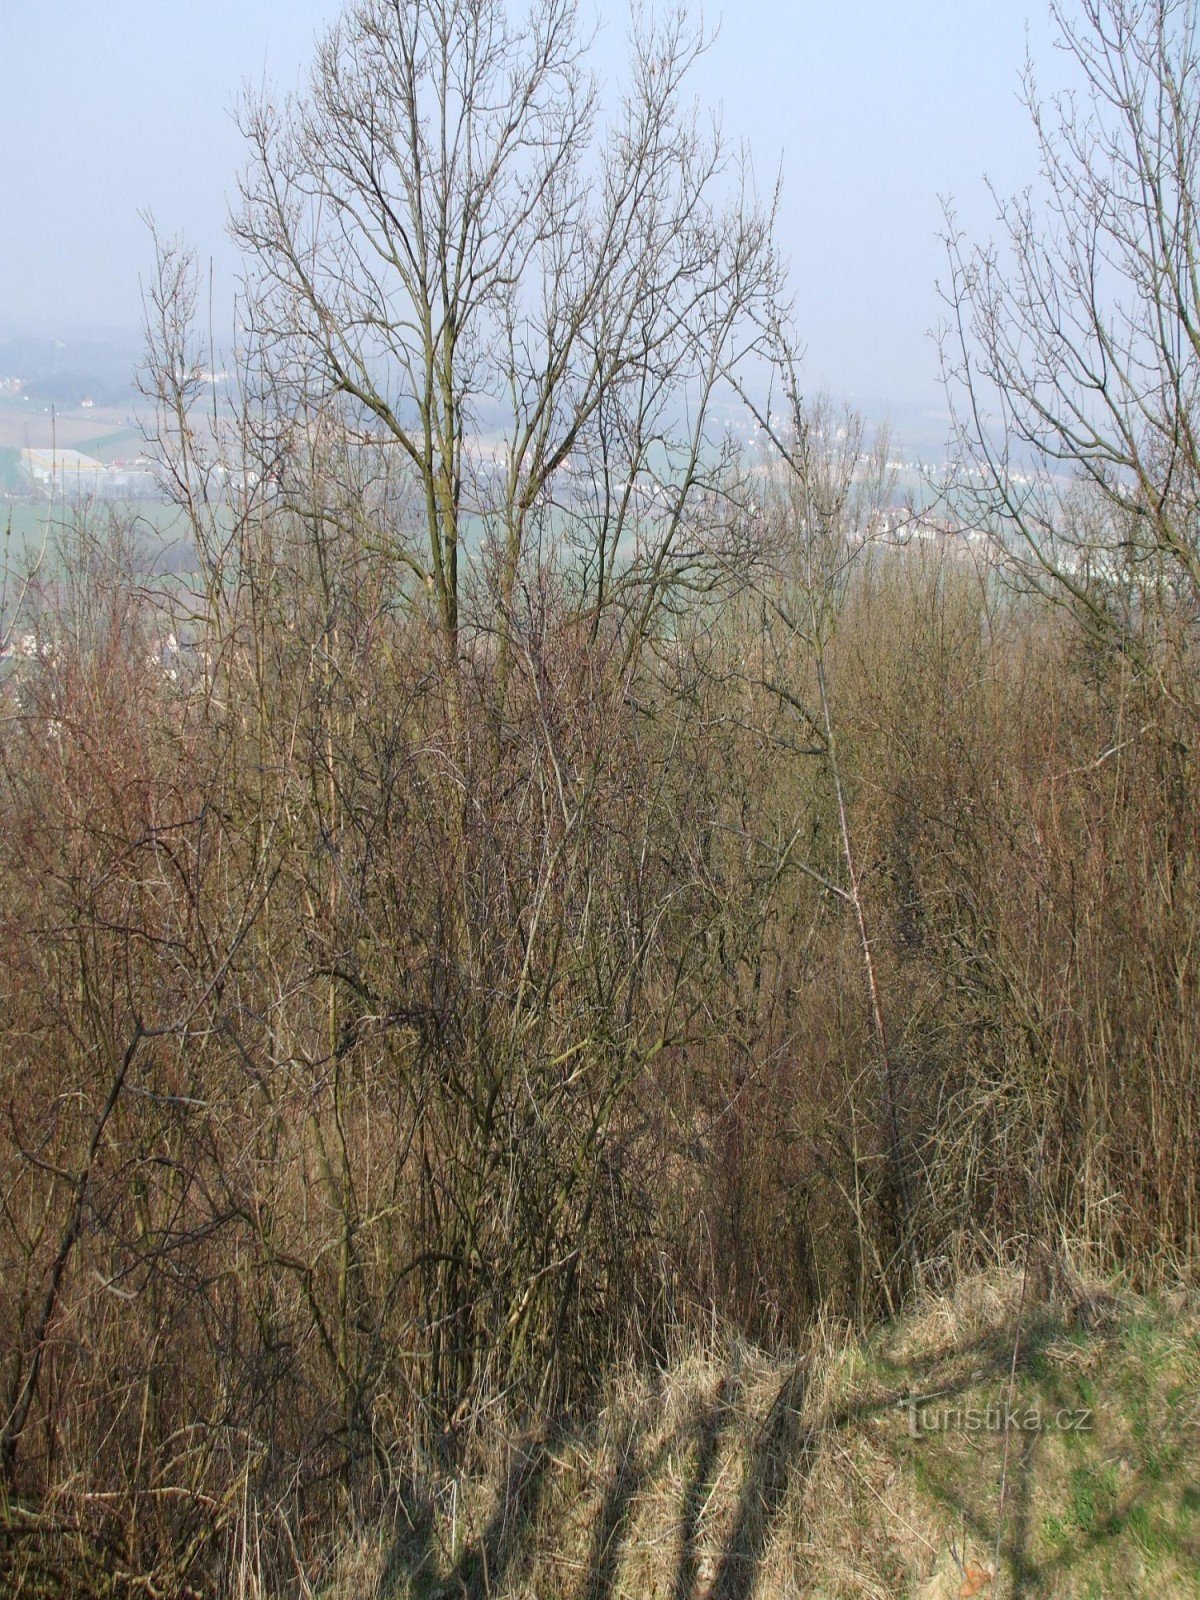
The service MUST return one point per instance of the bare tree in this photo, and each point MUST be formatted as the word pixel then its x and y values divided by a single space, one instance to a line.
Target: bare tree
pixel 523 316
pixel 1072 353
pixel 482 334
pixel 835 490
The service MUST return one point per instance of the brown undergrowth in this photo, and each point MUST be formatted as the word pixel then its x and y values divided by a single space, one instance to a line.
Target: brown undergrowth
pixel 375 1060
pixel 858 1468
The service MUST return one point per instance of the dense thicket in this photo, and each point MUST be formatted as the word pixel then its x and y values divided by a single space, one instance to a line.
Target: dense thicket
pixel 367 1064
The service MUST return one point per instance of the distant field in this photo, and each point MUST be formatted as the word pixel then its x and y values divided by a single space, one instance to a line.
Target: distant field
pixel 31 525
pixel 27 426
pixel 121 444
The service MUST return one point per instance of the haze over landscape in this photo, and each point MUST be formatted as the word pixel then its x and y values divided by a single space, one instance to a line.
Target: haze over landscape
pixel 868 113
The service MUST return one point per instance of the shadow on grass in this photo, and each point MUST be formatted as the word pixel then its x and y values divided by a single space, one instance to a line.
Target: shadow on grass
pixel 777 1459
pixel 783 1448
pixel 480 1569
pixel 706 1428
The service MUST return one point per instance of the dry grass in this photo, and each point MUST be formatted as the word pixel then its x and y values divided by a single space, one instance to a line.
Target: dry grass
pixel 731 1474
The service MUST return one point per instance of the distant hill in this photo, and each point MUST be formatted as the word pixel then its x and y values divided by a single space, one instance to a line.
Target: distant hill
pixel 66 371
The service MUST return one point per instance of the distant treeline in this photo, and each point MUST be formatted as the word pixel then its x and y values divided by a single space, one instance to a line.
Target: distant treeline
pixel 65 371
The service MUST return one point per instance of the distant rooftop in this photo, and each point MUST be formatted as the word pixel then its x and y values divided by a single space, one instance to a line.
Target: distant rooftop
pixel 61 461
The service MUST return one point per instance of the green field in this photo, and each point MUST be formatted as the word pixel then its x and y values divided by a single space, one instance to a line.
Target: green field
pixel 28 527
pixel 120 445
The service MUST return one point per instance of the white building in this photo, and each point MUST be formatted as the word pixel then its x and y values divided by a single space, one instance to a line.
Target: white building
pixel 62 471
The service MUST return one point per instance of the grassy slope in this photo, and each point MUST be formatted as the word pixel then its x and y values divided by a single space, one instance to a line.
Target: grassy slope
pixel 740 1477
pixel 119 444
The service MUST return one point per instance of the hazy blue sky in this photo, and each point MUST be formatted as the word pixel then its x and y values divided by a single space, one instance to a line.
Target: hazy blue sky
pixel 872 107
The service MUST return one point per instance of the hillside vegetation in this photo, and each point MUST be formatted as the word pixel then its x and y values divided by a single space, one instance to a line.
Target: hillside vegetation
pixel 863 1468
pixel 370 1065
pixel 563 885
